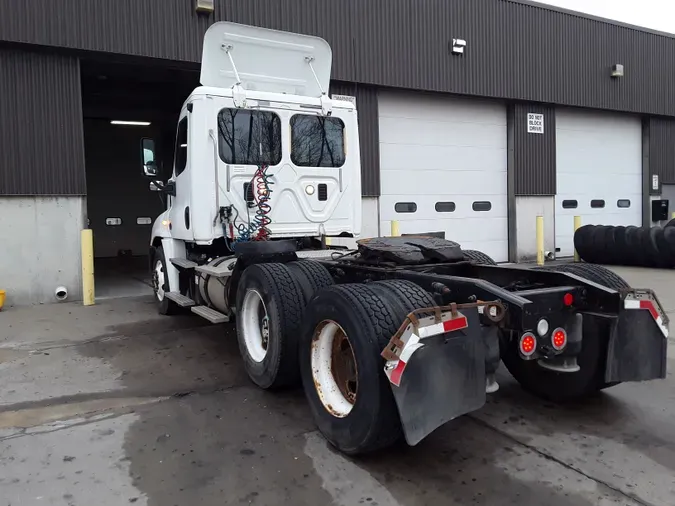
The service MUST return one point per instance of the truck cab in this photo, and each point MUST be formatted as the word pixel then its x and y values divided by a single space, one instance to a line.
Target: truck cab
pixel 262 128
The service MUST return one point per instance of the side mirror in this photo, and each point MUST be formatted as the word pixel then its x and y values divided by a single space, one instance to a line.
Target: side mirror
pixel 150 168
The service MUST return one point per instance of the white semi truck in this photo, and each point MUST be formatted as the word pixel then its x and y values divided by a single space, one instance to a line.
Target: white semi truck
pixel 392 339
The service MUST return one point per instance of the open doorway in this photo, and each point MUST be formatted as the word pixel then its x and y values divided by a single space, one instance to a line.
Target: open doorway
pixel 130 116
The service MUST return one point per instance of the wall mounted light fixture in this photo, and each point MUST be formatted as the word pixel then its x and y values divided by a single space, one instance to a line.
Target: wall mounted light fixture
pixel 617 70
pixel 458 46
pixel 205 6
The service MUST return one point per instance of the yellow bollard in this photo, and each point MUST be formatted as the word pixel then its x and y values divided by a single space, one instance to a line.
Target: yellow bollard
pixel 394 229
pixel 87 267
pixel 577 226
pixel 540 240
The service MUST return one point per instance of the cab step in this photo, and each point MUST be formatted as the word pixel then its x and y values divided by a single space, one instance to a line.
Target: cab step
pixel 210 314
pixel 180 299
pixel 183 263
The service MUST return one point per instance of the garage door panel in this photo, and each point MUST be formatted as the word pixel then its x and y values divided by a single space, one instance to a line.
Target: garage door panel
pixel 596 185
pixel 481 158
pixel 448 156
pixel 455 229
pixel 421 182
pixel 439 133
pixel 426 207
pixel 599 157
pixel 430 107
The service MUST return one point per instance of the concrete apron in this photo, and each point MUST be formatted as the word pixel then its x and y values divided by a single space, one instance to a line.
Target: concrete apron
pixel 113 404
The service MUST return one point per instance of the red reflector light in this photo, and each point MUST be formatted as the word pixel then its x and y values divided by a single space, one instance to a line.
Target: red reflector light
pixel 528 344
pixel 568 299
pixel 559 339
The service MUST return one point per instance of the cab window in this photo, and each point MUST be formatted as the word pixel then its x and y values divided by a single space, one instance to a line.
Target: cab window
pixel 249 137
pixel 180 155
pixel 317 141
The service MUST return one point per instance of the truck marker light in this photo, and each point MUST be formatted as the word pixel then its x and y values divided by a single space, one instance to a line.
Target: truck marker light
pixel 568 299
pixel 528 344
pixel 559 339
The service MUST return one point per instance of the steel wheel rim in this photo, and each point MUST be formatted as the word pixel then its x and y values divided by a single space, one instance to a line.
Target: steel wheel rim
pixel 256 325
pixel 334 368
pixel 158 280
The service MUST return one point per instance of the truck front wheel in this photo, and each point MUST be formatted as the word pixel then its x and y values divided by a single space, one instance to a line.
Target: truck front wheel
pixel 160 284
pixel 346 328
pixel 269 312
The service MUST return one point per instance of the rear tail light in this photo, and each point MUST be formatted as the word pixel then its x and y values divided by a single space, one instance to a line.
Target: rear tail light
pixel 527 344
pixel 559 339
pixel 568 299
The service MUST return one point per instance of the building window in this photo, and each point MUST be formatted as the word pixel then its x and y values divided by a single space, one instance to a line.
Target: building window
pixel 623 203
pixel 317 141
pixel 482 206
pixel 597 204
pixel 570 204
pixel 249 137
pixel 180 155
pixel 405 207
pixel 445 207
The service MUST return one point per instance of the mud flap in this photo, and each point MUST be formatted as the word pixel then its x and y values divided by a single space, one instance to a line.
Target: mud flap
pixel 637 348
pixel 443 378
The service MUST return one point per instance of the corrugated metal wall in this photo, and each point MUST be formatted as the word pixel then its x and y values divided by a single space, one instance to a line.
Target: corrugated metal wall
pixel 41 142
pixel 662 150
pixel 534 157
pixel 369 133
pixel 515 50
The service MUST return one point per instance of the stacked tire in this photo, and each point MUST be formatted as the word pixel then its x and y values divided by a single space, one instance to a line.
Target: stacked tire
pixel 631 246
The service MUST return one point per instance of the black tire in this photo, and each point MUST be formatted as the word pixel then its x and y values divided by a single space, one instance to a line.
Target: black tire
pixel 312 277
pixel 669 238
pixel 403 296
pixel 583 241
pixel 368 321
pixel 599 244
pixel 478 257
pixel 648 253
pixel 283 304
pixel 663 248
pixel 631 254
pixel 620 246
pixel 599 274
pixel 164 305
pixel 595 273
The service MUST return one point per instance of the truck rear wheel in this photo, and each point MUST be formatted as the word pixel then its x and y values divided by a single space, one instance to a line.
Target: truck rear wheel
pixel 478 257
pixel 269 313
pixel 160 284
pixel 311 275
pixel 346 329
pixel 590 378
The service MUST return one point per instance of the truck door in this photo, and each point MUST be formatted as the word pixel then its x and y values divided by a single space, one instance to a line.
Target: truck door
pixel 179 205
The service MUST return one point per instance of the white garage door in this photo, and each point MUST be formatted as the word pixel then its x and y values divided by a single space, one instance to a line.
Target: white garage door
pixel 599 172
pixel 443 169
